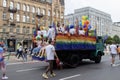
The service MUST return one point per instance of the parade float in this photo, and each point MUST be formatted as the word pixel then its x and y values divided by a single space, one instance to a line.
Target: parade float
pixel 73 48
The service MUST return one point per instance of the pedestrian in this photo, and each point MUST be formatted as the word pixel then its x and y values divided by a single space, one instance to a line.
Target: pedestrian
pixel 107 49
pixel 18 45
pixel 21 51
pixel 118 50
pixel 50 53
pixel 2 63
pixel 25 52
pixel 113 52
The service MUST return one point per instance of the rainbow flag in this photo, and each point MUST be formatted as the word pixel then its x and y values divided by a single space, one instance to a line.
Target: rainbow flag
pixel 75 42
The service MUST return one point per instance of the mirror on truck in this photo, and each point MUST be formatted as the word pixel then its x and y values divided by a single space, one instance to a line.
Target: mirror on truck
pixel 99 39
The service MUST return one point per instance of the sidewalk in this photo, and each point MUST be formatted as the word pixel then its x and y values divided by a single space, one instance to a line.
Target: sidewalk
pixel 11 58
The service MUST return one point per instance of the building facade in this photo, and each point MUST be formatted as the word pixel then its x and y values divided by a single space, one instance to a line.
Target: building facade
pixel 98 19
pixel 18 17
pixel 115 29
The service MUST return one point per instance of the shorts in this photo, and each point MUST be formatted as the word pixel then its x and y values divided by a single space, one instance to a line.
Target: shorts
pixel 113 55
pixel 2 64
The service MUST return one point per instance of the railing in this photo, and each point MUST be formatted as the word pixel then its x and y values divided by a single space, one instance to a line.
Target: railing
pixel 39 15
pixel 12 10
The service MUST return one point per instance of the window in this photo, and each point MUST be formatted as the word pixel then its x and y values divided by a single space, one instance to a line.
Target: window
pixel 44 12
pixel 49 13
pixel 28 19
pixel 38 10
pixel 18 6
pixel 4 30
pixel 23 18
pixel 11 5
pixel 33 20
pixel 11 16
pixel 11 29
pixel 33 29
pixel 18 29
pixel 28 30
pixel 18 17
pixel 57 14
pixel 4 3
pixel 33 9
pixel 4 16
pixel 28 8
pixel 24 7
pixel 24 29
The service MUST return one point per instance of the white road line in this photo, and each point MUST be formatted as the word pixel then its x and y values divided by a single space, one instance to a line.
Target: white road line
pixel 27 69
pixel 70 77
pixel 21 62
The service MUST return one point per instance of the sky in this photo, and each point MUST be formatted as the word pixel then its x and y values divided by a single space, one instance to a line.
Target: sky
pixel 111 7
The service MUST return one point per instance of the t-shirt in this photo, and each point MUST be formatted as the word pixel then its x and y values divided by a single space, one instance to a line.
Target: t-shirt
pixel 1 50
pixel 51 33
pixel 113 49
pixel 20 48
pixel 72 31
pixel 49 52
pixel 1 54
pixel 81 32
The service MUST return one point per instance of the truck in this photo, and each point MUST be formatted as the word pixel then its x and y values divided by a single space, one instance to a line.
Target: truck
pixel 72 49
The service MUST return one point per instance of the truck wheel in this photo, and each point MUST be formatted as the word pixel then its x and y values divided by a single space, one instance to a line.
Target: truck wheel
pixel 74 60
pixel 98 59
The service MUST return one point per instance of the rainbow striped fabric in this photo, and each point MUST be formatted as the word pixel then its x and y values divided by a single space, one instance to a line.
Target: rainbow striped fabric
pixel 75 42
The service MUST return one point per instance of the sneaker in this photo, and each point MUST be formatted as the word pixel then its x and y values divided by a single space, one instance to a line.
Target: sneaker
pixel 113 65
pixel 53 75
pixel 45 76
pixel 5 77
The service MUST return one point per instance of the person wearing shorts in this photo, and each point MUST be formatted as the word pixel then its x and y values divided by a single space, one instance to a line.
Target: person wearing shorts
pixel 2 63
pixel 50 53
pixel 113 52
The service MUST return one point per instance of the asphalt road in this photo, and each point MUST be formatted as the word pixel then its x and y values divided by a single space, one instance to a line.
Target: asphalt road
pixel 85 71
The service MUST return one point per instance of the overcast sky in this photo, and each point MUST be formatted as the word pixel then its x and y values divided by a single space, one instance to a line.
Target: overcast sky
pixel 111 7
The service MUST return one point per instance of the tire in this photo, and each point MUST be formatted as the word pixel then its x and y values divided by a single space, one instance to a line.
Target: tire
pixel 74 60
pixel 98 59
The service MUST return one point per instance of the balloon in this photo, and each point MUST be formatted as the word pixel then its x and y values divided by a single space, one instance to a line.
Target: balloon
pixel 38 37
pixel 83 22
pixel 87 22
pixel 83 18
pixel 89 27
pixel 44 35
pixel 84 26
pixel 86 17
pixel 80 24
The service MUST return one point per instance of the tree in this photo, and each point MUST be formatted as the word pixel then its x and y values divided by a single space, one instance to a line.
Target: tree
pixel 109 40
pixel 116 39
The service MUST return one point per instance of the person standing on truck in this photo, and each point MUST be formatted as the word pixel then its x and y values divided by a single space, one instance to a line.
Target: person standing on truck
pixel 113 52
pixel 50 53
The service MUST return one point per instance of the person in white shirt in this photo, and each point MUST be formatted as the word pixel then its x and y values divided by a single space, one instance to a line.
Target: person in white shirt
pixel 72 30
pixel 113 52
pixel 50 53
pixel 51 33
pixel 81 32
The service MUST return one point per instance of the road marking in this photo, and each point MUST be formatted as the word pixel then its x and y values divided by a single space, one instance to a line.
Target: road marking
pixel 21 62
pixel 27 69
pixel 70 77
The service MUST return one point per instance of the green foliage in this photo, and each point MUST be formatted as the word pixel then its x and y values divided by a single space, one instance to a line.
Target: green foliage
pixel 109 40
pixel 116 39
